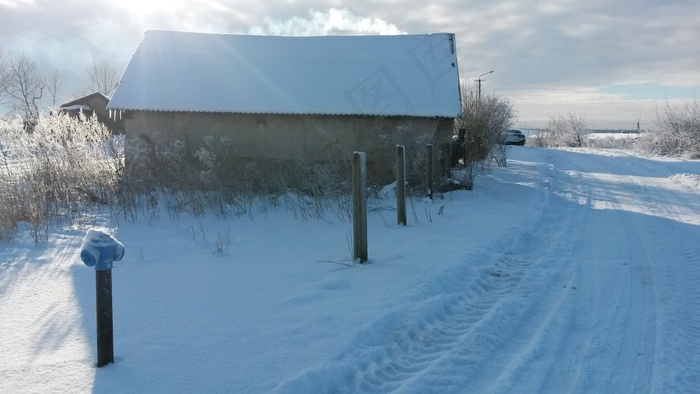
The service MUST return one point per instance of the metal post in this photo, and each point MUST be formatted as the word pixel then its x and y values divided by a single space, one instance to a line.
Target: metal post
pixel 100 250
pixel 359 206
pixel 105 330
pixel 401 184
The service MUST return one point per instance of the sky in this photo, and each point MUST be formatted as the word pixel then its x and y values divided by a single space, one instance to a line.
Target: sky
pixel 612 63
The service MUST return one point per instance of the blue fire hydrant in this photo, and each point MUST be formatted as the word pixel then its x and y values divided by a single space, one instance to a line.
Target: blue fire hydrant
pixel 100 250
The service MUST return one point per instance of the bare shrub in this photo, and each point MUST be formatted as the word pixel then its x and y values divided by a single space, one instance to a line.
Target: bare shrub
pixel 58 171
pixel 222 243
pixel 677 131
pixel 624 141
pixel 208 178
pixel 484 119
pixel 499 155
pixel 570 131
pixel 539 139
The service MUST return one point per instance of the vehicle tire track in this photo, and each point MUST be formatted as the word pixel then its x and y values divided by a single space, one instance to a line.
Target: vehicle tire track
pixel 643 334
pixel 468 320
pixel 677 272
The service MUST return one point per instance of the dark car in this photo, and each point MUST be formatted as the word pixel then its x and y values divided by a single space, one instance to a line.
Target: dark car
pixel 512 137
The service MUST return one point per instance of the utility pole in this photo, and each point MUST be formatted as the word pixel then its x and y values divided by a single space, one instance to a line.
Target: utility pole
pixel 479 83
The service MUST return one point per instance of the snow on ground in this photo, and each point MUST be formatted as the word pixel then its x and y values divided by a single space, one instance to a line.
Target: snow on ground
pixel 567 271
pixel 615 135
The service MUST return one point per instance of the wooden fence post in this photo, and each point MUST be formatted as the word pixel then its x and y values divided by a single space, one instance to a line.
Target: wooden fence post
pixel 401 184
pixel 431 169
pixel 359 206
pixel 447 160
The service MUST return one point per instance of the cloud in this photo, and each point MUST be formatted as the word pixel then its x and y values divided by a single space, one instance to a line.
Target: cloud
pixel 545 53
pixel 330 22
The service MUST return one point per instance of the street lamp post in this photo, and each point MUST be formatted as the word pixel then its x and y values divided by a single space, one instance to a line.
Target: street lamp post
pixel 479 83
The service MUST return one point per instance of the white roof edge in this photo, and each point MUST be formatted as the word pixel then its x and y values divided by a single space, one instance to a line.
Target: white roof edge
pixel 76 107
pixel 282 113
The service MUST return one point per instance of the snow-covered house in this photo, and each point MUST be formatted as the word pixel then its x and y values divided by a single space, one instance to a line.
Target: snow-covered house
pixel 93 104
pixel 282 97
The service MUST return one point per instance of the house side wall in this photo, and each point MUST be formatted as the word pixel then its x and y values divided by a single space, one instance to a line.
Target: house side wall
pixel 98 104
pixel 312 138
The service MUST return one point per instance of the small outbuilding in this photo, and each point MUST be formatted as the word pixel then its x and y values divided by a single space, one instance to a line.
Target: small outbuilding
pixel 93 104
pixel 310 98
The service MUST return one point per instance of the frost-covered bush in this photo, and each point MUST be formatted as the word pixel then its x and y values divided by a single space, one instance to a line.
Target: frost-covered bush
pixel 620 141
pixel 485 117
pixel 57 171
pixel 677 131
pixel 206 177
pixel 568 131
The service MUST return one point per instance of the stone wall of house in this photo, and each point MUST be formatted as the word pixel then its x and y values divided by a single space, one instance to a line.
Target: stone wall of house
pixel 312 138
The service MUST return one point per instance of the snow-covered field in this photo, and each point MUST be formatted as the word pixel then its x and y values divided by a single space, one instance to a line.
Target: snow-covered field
pixel 568 271
pixel 614 136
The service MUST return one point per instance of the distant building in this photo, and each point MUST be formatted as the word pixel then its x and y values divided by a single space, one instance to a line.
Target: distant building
pixel 281 97
pixel 95 103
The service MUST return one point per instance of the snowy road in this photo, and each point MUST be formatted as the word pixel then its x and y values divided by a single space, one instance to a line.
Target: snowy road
pixel 598 294
pixel 567 271
pixel 629 326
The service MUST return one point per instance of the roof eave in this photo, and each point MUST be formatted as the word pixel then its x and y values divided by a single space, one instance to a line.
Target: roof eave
pixel 415 115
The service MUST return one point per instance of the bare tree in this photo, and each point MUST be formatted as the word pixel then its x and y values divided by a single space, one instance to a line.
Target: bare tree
pixel 53 85
pixel 3 75
pixel 556 131
pixel 24 87
pixel 579 129
pixel 103 77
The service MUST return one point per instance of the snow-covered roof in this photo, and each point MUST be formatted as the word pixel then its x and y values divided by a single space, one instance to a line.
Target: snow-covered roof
pixel 81 103
pixel 414 75
pixel 76 107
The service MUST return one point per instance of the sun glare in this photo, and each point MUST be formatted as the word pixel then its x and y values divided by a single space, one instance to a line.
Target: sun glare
pixel 143 8
pixel 16 3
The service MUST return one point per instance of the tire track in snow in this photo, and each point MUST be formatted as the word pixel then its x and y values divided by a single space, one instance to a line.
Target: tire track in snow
pixel 612 339
pixel 613 311
pixel 549 357
pixel 678 272
pixel 465 325
pixel 681 276
pixel 672 215
pixel 632 333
